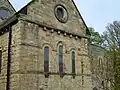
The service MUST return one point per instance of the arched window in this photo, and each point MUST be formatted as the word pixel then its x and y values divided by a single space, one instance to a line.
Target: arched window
pixel 60 58
pixel 0 60
pixel 73 63
pixel 46 60
pixel 4 14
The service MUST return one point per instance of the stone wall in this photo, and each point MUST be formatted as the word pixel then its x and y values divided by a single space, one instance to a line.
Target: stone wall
pixel 101 67
pixel 31 65
pixel 43 11
pixel 28 42
pixel 14 65
pixel 15 56
pixel 27 64
pixel 4 48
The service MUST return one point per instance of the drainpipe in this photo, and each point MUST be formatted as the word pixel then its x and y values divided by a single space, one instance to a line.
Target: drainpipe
pixel 9 57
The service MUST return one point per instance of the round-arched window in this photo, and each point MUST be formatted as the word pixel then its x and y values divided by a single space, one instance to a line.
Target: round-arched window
pixel 4 14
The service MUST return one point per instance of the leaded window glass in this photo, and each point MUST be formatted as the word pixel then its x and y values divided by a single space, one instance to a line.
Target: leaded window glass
pixel 46 59
pixel 73 62
pixel 60 57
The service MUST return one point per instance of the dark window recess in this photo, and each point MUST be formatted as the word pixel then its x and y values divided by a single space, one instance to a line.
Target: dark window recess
pixel 46 61
pixel 95 88
pixel 103 83
pixel 24 11
pixel 60 13
pixel 4 14
pixel 61 61
pixel 0 60
pixel 73 63
pixel 41 88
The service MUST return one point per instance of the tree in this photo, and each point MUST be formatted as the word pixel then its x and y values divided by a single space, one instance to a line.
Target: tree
pixel 95 37
pixel 111 38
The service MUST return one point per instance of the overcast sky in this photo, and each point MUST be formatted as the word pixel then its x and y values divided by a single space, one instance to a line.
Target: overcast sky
pixel 96 13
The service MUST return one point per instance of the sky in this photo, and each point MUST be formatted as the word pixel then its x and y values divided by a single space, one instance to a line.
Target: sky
pixel 96 13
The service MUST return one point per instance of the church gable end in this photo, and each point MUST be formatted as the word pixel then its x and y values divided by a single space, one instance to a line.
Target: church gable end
pixel 61 14
pixel 47 47
pixel 6 10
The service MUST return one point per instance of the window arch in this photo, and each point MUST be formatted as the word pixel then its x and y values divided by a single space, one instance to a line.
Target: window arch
pixel 73 63
pixel 46 60
pixel 60 59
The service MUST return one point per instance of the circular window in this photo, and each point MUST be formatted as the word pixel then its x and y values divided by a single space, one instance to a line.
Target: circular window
pixel 61 13
pixel 4 14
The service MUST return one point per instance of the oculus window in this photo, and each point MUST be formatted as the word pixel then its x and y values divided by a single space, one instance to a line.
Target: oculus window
pixel 4 14
pixel 61 13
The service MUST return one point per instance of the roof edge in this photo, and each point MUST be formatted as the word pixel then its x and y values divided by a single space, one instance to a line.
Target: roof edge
pixel 8 21
pixel 11 5
pixel 13 17
pixel 17 14
pixel 87 30
pixel 98 46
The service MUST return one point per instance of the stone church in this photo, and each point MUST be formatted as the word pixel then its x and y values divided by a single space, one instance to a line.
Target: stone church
pixel 44 46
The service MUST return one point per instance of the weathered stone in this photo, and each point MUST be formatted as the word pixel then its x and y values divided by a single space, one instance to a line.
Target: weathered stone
pixel 30 34
pixel 101 67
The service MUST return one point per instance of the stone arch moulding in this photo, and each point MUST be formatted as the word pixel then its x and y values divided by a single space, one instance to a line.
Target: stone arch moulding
pixel 72 49
pixel 4 8
pixel 7 9
pixel 61 43
pixel 47 44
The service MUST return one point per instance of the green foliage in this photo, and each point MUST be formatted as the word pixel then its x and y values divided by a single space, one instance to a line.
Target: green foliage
pixel 111 38
pixel 95 37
